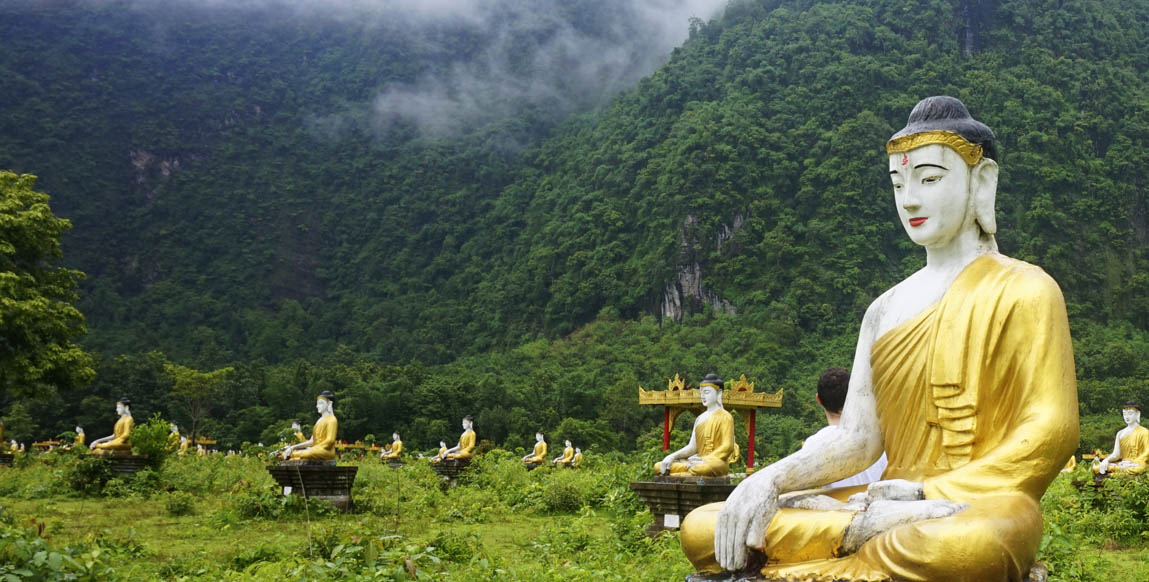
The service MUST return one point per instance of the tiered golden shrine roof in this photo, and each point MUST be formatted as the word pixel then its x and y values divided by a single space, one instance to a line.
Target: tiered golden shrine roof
pixel 738 394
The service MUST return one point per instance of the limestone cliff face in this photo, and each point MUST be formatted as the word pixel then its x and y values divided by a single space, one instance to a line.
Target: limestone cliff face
pixel 687 293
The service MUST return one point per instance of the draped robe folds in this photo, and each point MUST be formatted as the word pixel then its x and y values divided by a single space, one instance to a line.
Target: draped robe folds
pixel 466 446
pixel 568 455
pixel 396 450
pixel 322 439
pixel 1135 449
pixel 976 399
pixel 539 454
pixel 121 433
pixel 714 438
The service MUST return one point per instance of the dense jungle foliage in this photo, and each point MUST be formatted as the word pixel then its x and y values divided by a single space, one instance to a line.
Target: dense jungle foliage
pixel 236 204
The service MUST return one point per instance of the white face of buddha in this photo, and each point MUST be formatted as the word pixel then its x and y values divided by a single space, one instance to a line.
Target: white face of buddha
pixel 442 444
pixel 577 450
pixel 322 405
pixel 121 408
pixel 709 395
pixel 1131 415
pixel 538 437
pixel 79 430
pixel 395 436
pixel 568 443
pixel 466 424
pixel 932 194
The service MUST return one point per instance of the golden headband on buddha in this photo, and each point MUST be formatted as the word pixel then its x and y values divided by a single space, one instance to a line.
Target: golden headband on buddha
pixel 711 384
pixel 970 152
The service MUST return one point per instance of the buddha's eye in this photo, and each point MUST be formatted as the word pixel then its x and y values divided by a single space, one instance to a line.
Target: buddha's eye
pixel 931 179
pixel 897 186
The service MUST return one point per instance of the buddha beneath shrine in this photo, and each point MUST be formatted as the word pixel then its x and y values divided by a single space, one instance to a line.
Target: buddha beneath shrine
pixel 711 448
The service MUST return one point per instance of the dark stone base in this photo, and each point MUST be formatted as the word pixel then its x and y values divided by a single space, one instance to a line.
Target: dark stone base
pixel 317 481
pixel 6 459
pixel 125 465
pixel 530 466
pixel 675 497
pixel 394 463
pixel 450 468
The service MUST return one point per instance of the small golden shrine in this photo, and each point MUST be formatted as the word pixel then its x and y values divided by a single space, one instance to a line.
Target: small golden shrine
pixel 739 396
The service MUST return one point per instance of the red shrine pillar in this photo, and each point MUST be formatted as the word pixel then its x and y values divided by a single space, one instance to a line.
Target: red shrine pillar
pixel 666 430
pixel 750 438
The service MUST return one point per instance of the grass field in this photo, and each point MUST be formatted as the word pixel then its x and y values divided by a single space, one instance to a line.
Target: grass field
pixel 220 519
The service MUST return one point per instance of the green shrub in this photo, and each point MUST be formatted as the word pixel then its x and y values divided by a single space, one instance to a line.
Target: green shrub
pixel 25 555
pixel 179 503
pixel 152 439
pixel 454 547
pixel 89 474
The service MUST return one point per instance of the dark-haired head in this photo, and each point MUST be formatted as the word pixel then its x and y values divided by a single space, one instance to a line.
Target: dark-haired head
pixel 944 113
pixel 832 387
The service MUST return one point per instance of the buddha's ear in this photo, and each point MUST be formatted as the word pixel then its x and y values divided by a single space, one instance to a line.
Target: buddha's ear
pixel 983 191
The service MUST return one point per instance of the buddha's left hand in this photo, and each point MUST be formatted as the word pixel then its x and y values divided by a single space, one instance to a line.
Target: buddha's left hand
pixel 743 520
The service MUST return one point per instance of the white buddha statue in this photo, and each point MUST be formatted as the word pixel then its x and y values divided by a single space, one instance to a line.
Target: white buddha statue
pixel 963 374
pixel 1130 448
pixel 321 445
pixel 538 455
pixel 120 439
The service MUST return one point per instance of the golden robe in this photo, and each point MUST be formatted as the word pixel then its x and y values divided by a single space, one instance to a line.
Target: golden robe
pixel 977 399
pixel 1134 448
pixel 568 455
pixel 79 440
pixel 323 441
pixel 396 450
pixel 715 441
pixel 577 461
pixel 466 446
pixel 121 441
pixel 539 455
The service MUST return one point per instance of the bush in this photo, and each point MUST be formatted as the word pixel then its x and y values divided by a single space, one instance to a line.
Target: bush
pixel 152 439
pixel 89 474
pixel 28 556
pixel 179 503
pixel 562 496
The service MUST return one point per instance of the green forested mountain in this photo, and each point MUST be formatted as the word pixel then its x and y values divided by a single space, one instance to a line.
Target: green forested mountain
pixel 243 193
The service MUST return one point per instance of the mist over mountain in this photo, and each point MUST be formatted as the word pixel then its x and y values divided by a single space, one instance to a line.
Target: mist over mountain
pixel 550 195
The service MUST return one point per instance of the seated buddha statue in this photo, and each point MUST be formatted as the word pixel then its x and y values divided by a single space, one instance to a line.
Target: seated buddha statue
pixel 565 459
pixel 466 445
pixel 442 454
pixel 183 446
pixel 1130 448
pixel 963 374
pixel 396 449
pixel 576 462
pixel 80 436
pixel 537 456
pixel 173 436
pixel 120 439
pixel 297 431
pixel 321 445
pixel 711 448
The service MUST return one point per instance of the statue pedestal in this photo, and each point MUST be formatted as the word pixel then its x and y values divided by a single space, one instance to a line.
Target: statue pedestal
pixel 530 466
pixel 394 463
pixel 125 465
pixel 322 480
pixel 449 469
pixel 671 498
pixel 6 459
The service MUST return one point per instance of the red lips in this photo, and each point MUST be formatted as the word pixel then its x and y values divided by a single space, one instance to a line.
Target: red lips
pixel 917 221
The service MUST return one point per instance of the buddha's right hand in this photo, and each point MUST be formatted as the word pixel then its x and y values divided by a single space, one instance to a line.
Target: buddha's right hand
pixel 742 522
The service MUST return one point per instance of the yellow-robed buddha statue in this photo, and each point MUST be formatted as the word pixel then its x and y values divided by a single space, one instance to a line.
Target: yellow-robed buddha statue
pixel 538 456
pixel 1130 448
pixel 396 449
pixel 711 448
pixel 576 462
pixel 183 446
pixel 466 446
pixel 963 374
pixel 321 445
pixel 120 439
pixel 567 457
pixel 80 437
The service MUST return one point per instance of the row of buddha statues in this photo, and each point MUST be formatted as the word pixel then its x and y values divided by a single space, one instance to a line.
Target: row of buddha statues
pixel 571 458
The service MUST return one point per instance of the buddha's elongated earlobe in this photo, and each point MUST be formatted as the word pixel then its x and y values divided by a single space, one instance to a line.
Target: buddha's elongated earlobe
pixel 983 190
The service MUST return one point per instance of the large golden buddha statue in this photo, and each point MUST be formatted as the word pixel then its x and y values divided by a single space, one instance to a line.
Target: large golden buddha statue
pixel 396 449
pixel 1130 448
pixel 963 374
pixel 711 448
pixel 537 456
pixel 321 445
pixel 120 439
pixel 466 446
